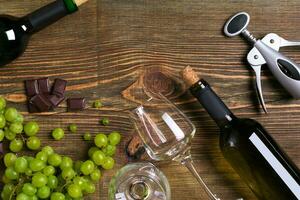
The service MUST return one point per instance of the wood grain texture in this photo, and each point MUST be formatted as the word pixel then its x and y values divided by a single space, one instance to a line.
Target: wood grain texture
pixel 104 48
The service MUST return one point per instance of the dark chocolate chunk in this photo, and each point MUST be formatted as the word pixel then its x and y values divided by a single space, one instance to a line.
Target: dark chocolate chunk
pixel 41 102
pixel 32 108
pixel 31 88
pixel 43 85
pixel 76 104
pixel 56 100
pixel 59 87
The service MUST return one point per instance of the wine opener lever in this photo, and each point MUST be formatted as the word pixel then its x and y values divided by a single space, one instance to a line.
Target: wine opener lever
pixel 266 51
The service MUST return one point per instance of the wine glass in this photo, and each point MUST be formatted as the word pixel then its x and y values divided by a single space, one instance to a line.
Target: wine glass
pixel 167 133
pixel 139 181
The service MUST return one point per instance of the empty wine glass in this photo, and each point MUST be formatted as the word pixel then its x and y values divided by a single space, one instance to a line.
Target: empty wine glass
pixel 167 133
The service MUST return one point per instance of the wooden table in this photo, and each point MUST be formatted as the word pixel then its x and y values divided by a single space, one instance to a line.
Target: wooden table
pixel 108 44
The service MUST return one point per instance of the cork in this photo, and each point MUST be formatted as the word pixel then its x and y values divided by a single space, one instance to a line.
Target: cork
pixel 80 2
pixel 190 77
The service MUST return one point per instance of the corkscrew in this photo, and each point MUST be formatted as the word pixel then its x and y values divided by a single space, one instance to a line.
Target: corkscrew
pixel 266 51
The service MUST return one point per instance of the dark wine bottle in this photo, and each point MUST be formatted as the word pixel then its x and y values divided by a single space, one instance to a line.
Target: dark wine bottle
pixel 249 148
pixel 15 32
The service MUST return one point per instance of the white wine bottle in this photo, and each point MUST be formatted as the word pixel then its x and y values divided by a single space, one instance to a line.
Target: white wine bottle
pixel 15 32
pixel 248 147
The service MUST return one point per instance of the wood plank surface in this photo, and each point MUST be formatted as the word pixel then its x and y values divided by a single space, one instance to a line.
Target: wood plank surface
pixel 104 48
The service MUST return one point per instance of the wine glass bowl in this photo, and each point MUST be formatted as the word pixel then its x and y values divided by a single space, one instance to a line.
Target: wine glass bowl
pixel 167 133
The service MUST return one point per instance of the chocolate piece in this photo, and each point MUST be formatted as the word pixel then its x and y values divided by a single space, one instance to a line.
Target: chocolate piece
pixel 32 108
pixel 76 104
pixel 43 85
pixel 41 102
pixel 56 100
pixel 59 87
pixel 31 88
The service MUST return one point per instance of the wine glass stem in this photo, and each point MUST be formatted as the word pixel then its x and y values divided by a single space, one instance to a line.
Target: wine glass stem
pixel 188 162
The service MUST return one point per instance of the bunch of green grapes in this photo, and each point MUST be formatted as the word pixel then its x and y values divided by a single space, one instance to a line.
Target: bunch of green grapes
pixel 49 175
pixel 17 133
pixel 105 147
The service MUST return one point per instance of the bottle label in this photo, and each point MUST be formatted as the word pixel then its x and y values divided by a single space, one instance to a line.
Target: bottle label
pixel 276 165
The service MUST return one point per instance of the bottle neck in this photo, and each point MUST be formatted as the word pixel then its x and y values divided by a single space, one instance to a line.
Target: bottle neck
pixel 49 14
pixel 212 103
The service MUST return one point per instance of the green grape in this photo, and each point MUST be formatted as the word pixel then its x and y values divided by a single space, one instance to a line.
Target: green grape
pixel 66 162
pixel 97 104
pixel 36 165
pixel 105 121
pixel 92 150
pixel 5 180
pixel 33 143
pixel 47 149
pixel 78 180
pixel 11 114
pixel 108 163
pixel 29 158
pixel 8 189
pixel 77 166
pixel 73 128
pixel 68 173
pixel 29 189
pixel 10 159
pixel 2 121
pixel 31 128
pixel 95 175
pixel 98 157
pixel 87 137
pixel 109 150
pixel 89 187
pixel 100 140
pixel 9 135
pixel 49 170
pixel 57 196
pixel 74 191
pixel 2 103
pixel 20 119
pixel 11 174
pixel 114 138
pixel 58 133
pixel 54 159
pixel 52 182
pixel 16 145
pixel 1 135
pixel 16 128
pixel 34 197
pixel 43 156
pixel 39 180
pixel 22 196
pixel 87 167
pixel 21 165
pixel 43 192
pixel 28 172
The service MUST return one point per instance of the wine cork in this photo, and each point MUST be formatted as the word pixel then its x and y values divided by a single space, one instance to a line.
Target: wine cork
pixel 80 2
pixel 190 76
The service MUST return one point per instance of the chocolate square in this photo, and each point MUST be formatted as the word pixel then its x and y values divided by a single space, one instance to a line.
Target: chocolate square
pixel 43 85
pixel 56 100
pixel 75 104
pixel 31 88
pixel 32 108
pixel 59 87
pixel 41 102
